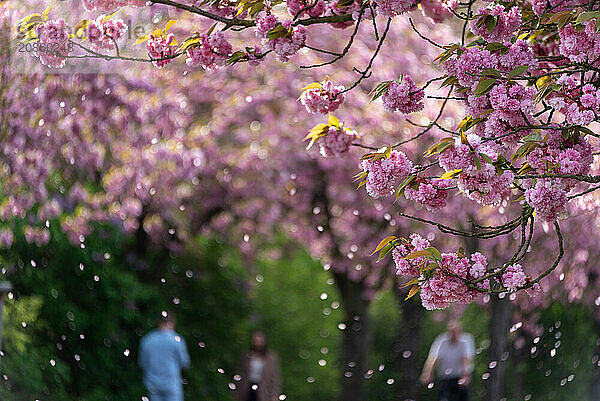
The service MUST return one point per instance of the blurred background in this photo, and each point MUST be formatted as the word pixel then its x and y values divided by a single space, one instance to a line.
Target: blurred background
pixel 73 331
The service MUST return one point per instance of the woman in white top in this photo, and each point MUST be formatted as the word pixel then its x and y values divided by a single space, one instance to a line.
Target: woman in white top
pixel 260 378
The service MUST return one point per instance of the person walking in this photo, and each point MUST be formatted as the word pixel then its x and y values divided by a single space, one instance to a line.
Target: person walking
pixel 451 356
pixel 259 370
pixel 163 353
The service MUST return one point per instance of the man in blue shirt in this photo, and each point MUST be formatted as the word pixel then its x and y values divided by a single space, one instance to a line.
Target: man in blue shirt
pixel 163 353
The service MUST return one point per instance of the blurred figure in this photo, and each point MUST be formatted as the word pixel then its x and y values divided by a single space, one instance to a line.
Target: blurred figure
pixel 163 353
pixel 451 355
pixel 259 370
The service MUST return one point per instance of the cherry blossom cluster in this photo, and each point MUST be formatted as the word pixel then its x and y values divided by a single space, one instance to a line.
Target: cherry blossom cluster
pixel 161 49
pixel 391 8
pixel 579 104
pixel 337 141
pixel 405 267
pixel 322 98
pixel 442 282
pixel 284 43
pixel 210 53
pixel 469 62
pixel 447 284
pixel 313 9
pixel 580 45
pixel 548 200
pixel 384 173
pixel 430 192
pixel 495 24
pixel 570 156
pixel 104 34
pixel 512 105
pixel 438 10
pixel 448 278
pixel 403 96
pixel 478 179
pixel 335 8
pixel 541 6
pixel 53 45
pixel 513 277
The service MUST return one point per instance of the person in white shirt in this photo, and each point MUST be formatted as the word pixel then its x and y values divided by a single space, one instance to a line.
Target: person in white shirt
pixel 451 357
pixel 260 377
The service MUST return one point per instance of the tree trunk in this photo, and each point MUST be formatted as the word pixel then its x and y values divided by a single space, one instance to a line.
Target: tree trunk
pixel 518 363
pixel 355 339
pixel 406 348
pixel 499 326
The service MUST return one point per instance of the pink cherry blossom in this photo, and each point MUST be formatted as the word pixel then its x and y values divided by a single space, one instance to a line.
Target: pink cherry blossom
pixel 580 46
pixel 513 277
pixel 161 49
pixel 53 46
pixel 325 99
pixel 507 23
pixel 210 53
pixel 103 35
pixel 385 173
pixel 403 96
pixel 432 193
pixel 548 200
pixel 337 141
pixel 391 8
pixel 409 267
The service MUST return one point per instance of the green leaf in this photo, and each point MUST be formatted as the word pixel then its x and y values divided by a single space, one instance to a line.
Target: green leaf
pixel 486 158
pixel 435 253
pixel 46 13
pixel 518 71
pixel 411 282
pixel 359 177
pixel 169 25
pixel 413 291
pixel 344 3
pixel 586 131
pixel 495 47
pixel 405 183
pixel 333 121
pixel 212 28
pixel 450 50
pixel 384 251
pixel 384 242
pixel 379 90
pixel 430 266
pixel 444 146
pixel 451 80
pixel 484 86
pixel 142 39
pixel 277 32
pixel 586 16
pixel 491 72
pixel 417 254
pixel 451 174
pixel 491 23
pixel 533 137
pixel 314 85
pixel 108 17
